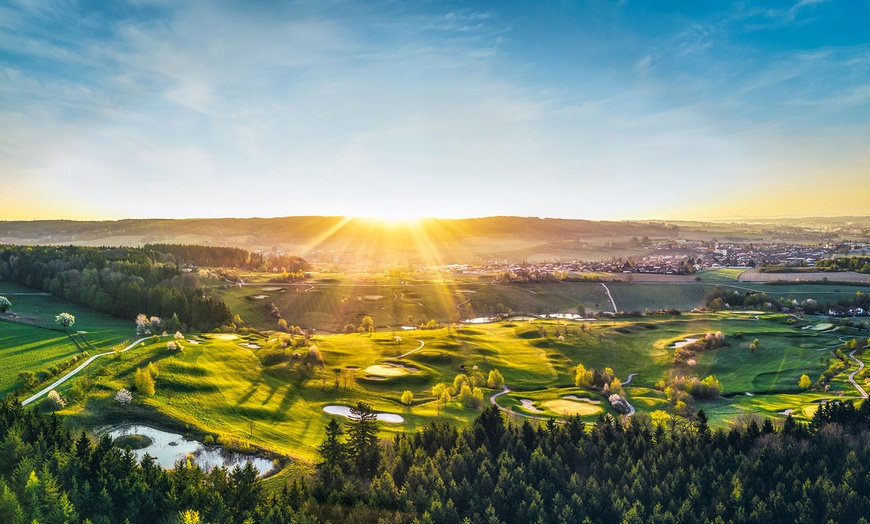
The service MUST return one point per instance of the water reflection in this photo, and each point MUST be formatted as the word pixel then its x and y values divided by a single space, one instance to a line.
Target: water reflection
pixel 168 448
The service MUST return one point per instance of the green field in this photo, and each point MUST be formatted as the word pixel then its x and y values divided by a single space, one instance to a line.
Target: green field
pixel 725 274
pixel 638 296
pixel 31 340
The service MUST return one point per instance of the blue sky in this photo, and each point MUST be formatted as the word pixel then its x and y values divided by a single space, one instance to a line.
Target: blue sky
pixel 601 110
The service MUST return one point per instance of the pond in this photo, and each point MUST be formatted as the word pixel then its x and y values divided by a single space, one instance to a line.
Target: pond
pixel 168 448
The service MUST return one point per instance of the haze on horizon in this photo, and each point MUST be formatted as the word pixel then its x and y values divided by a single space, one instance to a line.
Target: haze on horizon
pixel 592 109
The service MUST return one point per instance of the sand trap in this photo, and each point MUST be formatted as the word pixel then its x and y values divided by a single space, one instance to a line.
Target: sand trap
pixel 386 370
pixel 408 328
pixel 372 297
pixel 194 342
pixel 374 377
pixel 344 411
pixel 224 336
pixel 786 412
pixel 530 405
pixel 272 289
pixel 581 399
pixel 570 407
pixel 251 345
pixel 682 343
pixel 261 297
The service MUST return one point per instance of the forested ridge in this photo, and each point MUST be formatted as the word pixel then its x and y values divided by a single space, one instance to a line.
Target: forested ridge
pixel 121 282
pixel 490 472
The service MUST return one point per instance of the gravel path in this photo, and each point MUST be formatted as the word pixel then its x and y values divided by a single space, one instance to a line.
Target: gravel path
pixel 418 348
pixel 852 376
pixel 74 372
pixel 612 302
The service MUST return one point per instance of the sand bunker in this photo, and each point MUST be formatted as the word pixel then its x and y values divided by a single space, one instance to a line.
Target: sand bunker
pixel 251 345
pixel 344 411
pixel 261 297
pixel 530 405
pixel 570 407
pixel 386 370
pixel 682 343
pixel 224 336
pixel 271 289
pixel 581 399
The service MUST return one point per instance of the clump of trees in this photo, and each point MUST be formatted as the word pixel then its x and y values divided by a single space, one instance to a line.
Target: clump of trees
pixel 682 390
pixel 687 352
pixel 603 381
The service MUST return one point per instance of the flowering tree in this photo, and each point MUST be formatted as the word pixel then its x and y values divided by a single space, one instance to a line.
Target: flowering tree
pixel 123 396
pixel 5 304
pixel 143 325
pixel 178 335
pixel 65 320
pixel 55 401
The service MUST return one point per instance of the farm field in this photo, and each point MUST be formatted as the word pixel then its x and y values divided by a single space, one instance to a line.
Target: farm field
pixel 725 274
pixel 640 296
pixel 755 275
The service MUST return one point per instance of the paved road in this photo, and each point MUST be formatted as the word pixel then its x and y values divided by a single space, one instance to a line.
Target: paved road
pixel 613 302
pixel 73 373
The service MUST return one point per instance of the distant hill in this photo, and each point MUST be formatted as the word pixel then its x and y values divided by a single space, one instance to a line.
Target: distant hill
pixel 362 241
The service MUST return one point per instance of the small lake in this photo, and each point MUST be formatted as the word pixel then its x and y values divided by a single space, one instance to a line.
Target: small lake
pixel 168 448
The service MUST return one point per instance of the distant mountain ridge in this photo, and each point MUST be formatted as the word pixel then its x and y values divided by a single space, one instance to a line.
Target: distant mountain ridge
pixel 433 241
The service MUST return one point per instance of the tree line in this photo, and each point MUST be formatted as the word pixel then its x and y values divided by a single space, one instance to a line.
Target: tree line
pixel 491 472
pixel 621 471
pixel 121 282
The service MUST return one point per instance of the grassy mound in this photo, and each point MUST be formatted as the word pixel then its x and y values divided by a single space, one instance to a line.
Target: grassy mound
pixel 133 442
